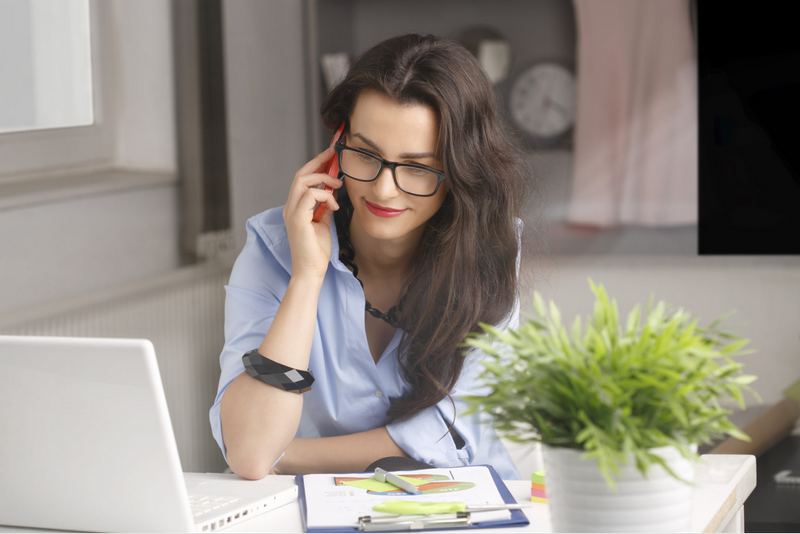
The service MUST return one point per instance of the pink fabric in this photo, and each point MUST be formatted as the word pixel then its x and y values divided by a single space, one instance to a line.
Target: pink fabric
pixel 636 127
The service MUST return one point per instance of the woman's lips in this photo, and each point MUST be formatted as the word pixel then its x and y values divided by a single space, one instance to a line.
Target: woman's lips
pixel 380 211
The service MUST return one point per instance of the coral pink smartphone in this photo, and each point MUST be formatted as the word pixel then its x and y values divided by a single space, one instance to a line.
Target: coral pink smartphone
pixel 333 170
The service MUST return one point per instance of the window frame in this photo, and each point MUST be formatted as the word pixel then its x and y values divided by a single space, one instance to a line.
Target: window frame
pixel 25 155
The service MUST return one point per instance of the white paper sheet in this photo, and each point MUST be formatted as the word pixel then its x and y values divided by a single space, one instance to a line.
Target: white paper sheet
pixel 330 505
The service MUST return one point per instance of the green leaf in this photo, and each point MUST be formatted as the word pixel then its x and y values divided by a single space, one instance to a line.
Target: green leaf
pixel 539 304
pixel 576 329
pixel 719 321
pixel 633 320
pixel 733 347
pixel 744 379
pixel 555 315
pixel 738 434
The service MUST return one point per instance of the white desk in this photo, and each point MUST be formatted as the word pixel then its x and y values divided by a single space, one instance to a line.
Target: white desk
pixel 724 483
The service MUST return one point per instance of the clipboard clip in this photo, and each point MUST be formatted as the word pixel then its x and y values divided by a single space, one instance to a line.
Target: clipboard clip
pixel 367 523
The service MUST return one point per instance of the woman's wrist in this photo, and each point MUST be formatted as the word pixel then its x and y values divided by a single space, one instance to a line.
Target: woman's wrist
pixel 307 280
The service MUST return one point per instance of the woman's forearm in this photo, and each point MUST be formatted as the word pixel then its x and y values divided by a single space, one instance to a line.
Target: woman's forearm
pixel 259 420
pixel 340 454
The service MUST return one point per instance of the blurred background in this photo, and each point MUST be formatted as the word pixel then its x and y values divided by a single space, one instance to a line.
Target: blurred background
pixel 138 136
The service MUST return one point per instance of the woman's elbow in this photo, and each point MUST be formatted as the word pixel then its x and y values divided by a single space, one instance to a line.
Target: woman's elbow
pixel 251 468
pixel 250 472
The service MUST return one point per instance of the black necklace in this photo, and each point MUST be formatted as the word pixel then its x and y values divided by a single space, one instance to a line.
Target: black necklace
pixel 347 255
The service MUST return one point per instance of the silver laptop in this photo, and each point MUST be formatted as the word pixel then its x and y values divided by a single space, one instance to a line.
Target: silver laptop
pixel 86 444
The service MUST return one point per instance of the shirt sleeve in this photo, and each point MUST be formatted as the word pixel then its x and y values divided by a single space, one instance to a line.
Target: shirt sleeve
pixel 253 295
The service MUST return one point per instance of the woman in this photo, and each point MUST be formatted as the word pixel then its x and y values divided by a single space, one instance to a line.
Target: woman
pixel 434 243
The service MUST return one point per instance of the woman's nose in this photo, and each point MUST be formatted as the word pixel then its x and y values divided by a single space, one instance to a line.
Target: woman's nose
pixel 384 184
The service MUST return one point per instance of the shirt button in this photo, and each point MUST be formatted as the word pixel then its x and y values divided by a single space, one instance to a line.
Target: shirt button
pixel 378 394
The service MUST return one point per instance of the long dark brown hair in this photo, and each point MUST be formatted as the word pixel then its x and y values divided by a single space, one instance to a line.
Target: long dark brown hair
pixel 465 266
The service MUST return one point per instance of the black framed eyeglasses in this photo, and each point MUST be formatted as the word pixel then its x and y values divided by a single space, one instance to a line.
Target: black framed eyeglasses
pixel 365 167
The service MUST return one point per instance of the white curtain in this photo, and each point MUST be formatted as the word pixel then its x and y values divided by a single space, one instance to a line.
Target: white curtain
pixel 636 128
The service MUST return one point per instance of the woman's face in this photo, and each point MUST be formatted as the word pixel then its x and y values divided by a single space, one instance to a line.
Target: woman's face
pixel 401 134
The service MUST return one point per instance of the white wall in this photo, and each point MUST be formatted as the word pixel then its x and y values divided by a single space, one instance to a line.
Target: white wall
pixel 62 249
pixel 144 85
pixel 265 92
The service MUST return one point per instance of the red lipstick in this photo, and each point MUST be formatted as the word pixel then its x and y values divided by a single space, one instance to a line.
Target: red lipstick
pixel 380 211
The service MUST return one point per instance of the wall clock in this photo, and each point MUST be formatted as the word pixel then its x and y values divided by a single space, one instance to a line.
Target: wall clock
pixel 542 102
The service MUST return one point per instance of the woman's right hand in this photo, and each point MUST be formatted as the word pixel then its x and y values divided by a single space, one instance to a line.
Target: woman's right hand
pixel 310 242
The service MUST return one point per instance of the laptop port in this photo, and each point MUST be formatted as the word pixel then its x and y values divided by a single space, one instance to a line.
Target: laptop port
pixel 244 513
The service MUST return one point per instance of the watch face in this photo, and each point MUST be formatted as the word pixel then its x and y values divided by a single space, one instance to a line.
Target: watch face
pixel 542 101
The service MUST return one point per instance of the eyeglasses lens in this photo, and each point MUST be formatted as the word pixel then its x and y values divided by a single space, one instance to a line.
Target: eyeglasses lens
pixel 414 180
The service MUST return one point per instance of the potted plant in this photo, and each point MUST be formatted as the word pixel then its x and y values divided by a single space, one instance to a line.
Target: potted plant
pixel 619 409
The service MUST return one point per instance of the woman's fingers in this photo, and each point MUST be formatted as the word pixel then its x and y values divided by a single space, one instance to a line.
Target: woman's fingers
pixel 309 182
pixel 318 164
pixel 305 208
pixel 310 245
pixel 313 180
pixel 315 166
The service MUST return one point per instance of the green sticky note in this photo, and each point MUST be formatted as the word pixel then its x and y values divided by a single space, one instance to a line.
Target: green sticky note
pixel 793 391
pixel 537 477
pixel 417 508
pixel 370 484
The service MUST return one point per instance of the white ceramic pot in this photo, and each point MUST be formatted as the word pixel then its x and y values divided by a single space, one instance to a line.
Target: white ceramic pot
pixel 581 501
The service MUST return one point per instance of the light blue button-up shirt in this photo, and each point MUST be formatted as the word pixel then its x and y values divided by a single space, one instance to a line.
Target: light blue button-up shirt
pixel 351 392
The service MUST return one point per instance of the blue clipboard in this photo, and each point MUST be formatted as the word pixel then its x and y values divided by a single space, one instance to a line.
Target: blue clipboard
pixel 517 519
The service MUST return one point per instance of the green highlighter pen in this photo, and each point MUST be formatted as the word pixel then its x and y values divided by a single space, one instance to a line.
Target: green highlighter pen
pixel 424 508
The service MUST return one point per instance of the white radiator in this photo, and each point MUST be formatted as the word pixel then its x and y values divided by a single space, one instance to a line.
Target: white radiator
pixel 182 313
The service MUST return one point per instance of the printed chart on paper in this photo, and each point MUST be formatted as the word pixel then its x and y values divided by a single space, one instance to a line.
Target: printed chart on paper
pixel 339 500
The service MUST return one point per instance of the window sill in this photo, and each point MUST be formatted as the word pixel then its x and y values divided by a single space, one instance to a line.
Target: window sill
pixel 54 189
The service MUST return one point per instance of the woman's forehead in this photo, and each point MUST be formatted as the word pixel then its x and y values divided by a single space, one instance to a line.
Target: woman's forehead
pixel 393 127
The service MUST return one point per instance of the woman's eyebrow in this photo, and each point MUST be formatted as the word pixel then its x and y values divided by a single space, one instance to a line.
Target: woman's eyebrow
pixel 408 155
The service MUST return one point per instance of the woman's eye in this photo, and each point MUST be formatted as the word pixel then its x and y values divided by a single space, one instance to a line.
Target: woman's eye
pixel 365 158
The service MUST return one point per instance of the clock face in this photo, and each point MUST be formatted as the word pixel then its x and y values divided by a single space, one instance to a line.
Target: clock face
pixel 542 101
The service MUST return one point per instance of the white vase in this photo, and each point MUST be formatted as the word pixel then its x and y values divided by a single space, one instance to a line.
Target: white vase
pixel 581 501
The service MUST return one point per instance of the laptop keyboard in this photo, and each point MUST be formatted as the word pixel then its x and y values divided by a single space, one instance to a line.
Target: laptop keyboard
pixel 202 504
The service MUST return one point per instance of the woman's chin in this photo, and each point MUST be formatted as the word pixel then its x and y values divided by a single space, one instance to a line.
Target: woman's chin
pixel 385 228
